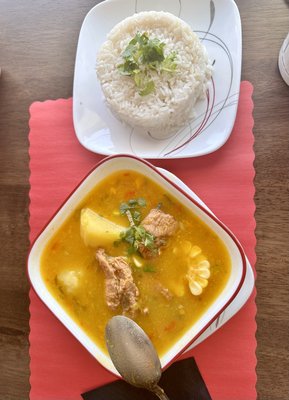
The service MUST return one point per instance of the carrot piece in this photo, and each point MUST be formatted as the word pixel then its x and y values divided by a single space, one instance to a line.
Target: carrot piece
pixel 171 326
pixel 130 194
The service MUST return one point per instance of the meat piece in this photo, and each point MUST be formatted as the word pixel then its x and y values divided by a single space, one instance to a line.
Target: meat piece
pixel 120 289
pixel 161 226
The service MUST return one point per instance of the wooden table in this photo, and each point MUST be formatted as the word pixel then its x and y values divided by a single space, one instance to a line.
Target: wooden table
pixel 37 52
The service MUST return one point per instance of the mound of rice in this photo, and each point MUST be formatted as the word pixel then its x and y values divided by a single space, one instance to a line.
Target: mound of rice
pixel 170 105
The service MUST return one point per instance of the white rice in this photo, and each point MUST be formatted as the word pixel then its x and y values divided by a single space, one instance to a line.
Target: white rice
pixel 168 108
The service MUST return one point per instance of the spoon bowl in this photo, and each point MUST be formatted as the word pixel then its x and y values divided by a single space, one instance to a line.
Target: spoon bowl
pixel 133 354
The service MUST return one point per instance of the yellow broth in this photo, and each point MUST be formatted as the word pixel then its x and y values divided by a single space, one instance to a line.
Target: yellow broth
pixel 166 320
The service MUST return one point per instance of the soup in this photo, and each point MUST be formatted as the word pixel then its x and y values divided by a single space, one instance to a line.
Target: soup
pixel 131 248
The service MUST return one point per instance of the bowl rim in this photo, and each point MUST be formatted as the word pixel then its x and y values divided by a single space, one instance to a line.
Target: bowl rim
pixel 195 202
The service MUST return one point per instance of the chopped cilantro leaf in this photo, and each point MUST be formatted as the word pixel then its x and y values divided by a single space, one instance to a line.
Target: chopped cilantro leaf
pixel 149 88
pixel 123 208
pixel 153 52
pixel 141 202
pixel 169 64
pixel 131 205
pixel 143 55
pixel 132 202
pixel 136 237
pixel 136 216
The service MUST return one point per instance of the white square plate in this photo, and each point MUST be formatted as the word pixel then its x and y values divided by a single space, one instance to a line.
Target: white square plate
pixel 218 25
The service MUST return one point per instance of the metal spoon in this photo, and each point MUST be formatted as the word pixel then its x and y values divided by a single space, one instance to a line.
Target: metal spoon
pixel 134 355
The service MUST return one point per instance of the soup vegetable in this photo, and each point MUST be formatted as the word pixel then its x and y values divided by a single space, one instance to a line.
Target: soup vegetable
pixel 131 248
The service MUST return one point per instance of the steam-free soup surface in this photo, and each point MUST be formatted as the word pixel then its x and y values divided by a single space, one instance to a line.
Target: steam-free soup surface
pixel 167 307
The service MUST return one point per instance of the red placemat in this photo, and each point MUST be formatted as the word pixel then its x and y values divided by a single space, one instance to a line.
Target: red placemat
pixel 61 368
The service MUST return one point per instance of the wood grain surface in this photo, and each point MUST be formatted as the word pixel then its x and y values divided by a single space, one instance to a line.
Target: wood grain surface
pixel 37 51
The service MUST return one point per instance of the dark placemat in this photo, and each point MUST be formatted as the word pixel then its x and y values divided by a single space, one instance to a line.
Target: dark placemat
pixel 181 381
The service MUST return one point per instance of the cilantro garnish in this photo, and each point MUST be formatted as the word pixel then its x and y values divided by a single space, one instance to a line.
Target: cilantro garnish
pixel 133 206
pixel 142 56
pixel 136 235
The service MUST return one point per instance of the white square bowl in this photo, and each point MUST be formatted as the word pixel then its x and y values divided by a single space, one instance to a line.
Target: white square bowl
pixel 103 169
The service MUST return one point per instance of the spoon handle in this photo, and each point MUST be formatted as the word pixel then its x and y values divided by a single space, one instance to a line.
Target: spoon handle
pixel 160 393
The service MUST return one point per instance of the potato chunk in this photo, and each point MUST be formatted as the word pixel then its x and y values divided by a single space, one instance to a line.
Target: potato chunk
pixel 97 231
pixel 68 281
